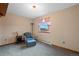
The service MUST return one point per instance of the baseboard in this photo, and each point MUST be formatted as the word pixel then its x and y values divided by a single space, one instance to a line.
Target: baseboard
pixel 45 42
pixel 58 46
pixel 7 44
pixel 65 48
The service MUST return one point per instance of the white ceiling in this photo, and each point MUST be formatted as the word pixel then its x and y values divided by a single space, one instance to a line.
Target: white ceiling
pixel 25 9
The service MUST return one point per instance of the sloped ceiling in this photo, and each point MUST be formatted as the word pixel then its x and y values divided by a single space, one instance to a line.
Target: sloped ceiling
pixel 26 10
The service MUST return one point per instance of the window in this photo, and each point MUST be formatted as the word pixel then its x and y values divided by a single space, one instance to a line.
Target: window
pixel 43 26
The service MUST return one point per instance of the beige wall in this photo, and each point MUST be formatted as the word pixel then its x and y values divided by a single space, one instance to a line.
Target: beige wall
pixel 10 24
pixel 64 28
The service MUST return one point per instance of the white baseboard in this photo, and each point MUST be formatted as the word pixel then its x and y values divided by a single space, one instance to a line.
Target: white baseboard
pixel 44 41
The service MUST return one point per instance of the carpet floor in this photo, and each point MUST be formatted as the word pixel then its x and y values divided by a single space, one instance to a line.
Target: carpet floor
pixel 41 49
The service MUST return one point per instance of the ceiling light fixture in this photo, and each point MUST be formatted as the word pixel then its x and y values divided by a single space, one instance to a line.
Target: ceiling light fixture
pixel 34 6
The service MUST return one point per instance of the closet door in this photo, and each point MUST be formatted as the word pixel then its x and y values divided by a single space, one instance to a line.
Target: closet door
pixel 3 8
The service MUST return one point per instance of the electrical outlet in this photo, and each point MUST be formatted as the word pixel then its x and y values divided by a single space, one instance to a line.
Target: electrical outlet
pixel 63 42
pixel 5 39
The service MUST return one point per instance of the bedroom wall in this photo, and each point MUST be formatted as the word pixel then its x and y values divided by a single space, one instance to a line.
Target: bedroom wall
pixel 64 29
pixel 10 24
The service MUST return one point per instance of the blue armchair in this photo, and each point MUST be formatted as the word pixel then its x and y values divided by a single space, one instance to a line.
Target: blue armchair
pixel 29 40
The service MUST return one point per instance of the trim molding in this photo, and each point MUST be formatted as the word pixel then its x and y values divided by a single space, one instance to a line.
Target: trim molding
pixel 65 48
pixel 58 46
